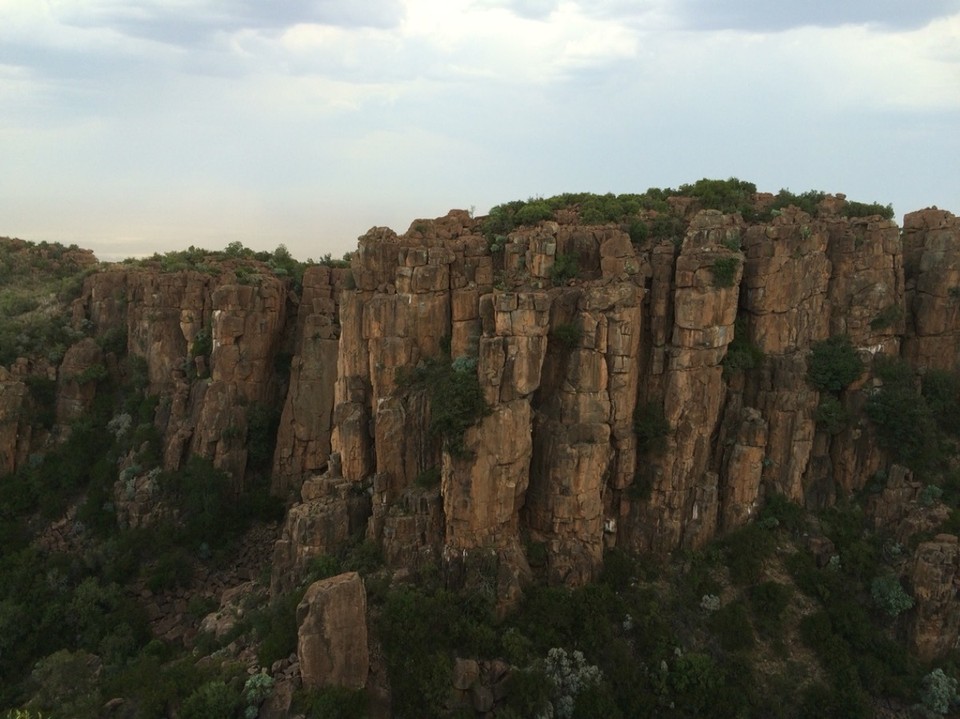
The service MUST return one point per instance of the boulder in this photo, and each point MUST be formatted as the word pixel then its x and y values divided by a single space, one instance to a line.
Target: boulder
pixel 332 636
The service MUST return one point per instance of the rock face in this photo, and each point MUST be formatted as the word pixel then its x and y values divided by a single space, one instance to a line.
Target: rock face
pixel 331 513
pixel 711 334
pixel 303 439
pixel 646 394
pixel 13 398
pixel 934 576
pixel 332 639
pixel 931 259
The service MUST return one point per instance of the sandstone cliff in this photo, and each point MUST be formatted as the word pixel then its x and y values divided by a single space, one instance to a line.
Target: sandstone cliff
pixel 554 471
pixel 584 340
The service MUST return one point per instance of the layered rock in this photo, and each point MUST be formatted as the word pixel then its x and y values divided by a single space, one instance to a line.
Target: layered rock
pixel 569 329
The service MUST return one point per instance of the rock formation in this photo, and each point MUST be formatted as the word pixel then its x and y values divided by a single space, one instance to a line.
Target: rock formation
pixel 583 341
pixel 332 637
pixel 934 576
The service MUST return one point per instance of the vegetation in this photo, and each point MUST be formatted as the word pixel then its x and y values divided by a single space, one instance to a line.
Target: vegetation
pixel 36 280
pixel 834 364
pixel 724 271
pixel 742 354
pixel 565 267
pixel 456 398
pixel 831 416
pixel 567 335
pixel 650 215
pixel 651 426
pixel 916 418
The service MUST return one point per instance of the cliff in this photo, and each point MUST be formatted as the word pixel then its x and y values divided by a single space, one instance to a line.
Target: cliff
pixel 585 344
pixel 495 404
pixel 573 367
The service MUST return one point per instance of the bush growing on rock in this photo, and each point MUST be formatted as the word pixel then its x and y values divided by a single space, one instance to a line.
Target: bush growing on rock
pixel 834 364
pixel 889 595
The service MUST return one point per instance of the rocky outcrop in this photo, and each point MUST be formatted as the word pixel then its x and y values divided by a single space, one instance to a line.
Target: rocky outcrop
pixel 333 512
pixel 81 369
pixel 683 507
pixel 931 258
pixel 934 576
pixel 582 340
pixel 303 438
pixel 208 342
pixel 332 635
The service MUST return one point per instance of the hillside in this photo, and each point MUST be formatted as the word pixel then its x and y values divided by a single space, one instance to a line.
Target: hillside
pixel 681 453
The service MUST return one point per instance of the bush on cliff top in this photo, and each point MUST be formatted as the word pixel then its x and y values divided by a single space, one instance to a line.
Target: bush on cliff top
pixel 649 213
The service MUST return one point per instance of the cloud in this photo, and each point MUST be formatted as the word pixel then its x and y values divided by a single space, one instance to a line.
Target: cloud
pixel 188 23
pixel 767 16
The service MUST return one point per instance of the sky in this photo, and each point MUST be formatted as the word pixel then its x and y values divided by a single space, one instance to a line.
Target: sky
pixel 130 127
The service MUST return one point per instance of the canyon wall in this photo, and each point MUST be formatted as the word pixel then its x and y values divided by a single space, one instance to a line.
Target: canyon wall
pixel 646 395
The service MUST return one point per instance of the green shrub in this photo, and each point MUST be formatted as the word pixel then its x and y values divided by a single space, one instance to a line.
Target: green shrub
pixel 939 692
pixel 906 426
pixel 742 354
pixel 779 511
pixel 769 600
pixel 263 421
pixel 94 373
pixel 565 267
pixel 528 692
pixel 364 557
pixel 807 201
pixel 667 227
pixel 831 416
pixel 651 427
pixel 889 595
pixel 887 317
pixel 333 703
pixel 567 335
pixel 255 691
pixel 213 700
pixel 833 364
pixel 724 271
pixel 428 478
pixel 745 551
pixel 727 196
pixel 114 340
pixel 619 569
pixel 276 628
pixel 202 344
pixel 941 390
pixel 43 396
pixel 863 209
pixel 731 625
pixel 638 231
pixel 456 398
pixel 533 212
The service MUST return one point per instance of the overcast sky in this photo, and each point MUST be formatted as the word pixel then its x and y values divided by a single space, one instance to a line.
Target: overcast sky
pixel 130 126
